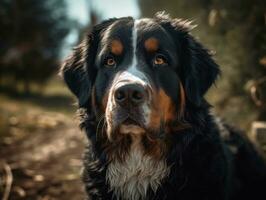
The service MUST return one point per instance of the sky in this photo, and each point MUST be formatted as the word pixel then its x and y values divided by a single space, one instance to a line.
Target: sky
pixel 117 8
pixel 106 8
pixel 78 9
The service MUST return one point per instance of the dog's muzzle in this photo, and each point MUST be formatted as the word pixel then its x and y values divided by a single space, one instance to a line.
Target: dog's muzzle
pixel 128 106
pixel 126 110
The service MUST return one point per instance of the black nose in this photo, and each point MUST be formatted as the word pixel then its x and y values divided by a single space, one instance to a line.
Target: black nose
pixel 131 94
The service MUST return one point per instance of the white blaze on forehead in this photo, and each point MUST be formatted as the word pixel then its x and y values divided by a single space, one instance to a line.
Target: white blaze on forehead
pixel 134 44
pixel 133 74
pixel 132 69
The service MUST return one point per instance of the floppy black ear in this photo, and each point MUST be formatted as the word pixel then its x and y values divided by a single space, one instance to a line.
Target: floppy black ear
pixel 75 72
pixel 197 70
pixel 78 70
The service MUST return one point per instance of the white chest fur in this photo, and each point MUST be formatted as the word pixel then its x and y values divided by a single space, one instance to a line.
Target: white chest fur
pixel 131 179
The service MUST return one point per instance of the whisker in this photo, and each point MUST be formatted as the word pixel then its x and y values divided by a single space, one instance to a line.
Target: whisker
pixel 104 126
pixel 97 128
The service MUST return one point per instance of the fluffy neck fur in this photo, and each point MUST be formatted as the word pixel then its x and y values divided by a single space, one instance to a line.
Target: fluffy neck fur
pixel 131 178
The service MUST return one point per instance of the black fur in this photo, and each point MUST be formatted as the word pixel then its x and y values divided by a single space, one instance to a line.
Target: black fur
pixel 209 160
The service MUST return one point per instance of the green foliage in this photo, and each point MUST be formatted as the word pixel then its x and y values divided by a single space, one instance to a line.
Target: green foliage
pixel 236 30
pixel 32 32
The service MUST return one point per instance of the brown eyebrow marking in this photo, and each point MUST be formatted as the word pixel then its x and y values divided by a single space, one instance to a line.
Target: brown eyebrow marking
pixel 116 47
pixel 151 44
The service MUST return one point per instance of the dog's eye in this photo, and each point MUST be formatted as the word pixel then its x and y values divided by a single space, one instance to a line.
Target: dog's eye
pixel 110 61
pixel 159 60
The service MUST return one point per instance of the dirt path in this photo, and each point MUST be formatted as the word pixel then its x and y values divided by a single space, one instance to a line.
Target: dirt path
pixel 43 149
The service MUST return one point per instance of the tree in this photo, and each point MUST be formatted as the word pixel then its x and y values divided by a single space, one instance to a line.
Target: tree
pixel 31 33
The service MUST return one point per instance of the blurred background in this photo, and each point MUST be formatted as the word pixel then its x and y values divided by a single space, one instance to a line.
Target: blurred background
pixel 40 144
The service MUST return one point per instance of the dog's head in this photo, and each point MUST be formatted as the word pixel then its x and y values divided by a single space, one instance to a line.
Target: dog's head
pixel 139 76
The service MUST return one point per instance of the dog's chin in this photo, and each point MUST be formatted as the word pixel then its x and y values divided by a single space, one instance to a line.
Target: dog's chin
pixel 131 129
pixel 129 126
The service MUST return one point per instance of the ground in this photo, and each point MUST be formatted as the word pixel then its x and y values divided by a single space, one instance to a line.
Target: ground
pixel 40 147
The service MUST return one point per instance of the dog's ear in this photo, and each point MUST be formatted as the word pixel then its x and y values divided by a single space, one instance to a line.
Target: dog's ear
pixel 197 69
pixel 78 70
pixel 75 72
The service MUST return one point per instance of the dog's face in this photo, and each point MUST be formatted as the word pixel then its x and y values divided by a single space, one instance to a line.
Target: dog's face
pixel 139 76
pixel 136 64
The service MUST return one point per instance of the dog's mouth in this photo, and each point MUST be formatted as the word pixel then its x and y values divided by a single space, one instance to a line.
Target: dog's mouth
pixel 130 121
pixel 131 126
pixel 124 122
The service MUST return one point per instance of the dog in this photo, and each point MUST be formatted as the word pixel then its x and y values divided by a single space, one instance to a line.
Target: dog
pixel 140 86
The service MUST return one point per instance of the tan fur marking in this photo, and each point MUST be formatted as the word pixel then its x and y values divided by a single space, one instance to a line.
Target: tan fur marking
pixel 163 111
pixel 155 119
pixel 117 47
pixel 182 100
pixel 166 106
pixel 151 44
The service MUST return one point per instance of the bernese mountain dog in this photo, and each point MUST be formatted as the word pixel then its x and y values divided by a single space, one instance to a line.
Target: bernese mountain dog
pixel 140 87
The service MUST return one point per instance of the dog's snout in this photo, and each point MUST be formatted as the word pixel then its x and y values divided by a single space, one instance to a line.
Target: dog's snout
pixel 131 94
